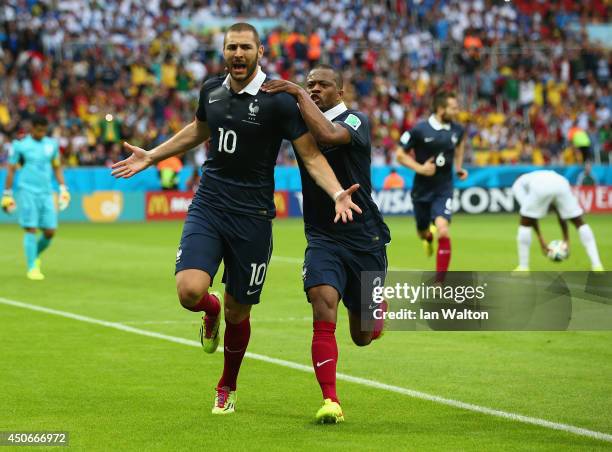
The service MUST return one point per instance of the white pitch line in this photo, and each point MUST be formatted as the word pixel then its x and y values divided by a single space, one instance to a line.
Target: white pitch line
pixel 344 377
pixel 288 260
pixel 158 322
pixel 170 322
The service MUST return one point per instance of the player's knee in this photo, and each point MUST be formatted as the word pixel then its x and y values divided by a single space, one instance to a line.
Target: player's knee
pixel 578 221
pixel 442 227
pixel 324 304
pixel 49 233
pixel 189 294
pixel 191 285
pixel 322 312
pixel 361 339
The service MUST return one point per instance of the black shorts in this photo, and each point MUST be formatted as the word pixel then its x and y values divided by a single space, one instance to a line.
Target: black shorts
pixel 328 263
pixel 243 242
pixel 439 205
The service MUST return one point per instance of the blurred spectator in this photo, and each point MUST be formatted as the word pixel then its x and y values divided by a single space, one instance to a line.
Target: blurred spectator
pixel 580 140
pixel 393 181
pixel 169 170
pixel 525 70
pixel 586 177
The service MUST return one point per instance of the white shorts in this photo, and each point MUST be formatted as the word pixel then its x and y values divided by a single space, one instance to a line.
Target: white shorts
pixel 539 196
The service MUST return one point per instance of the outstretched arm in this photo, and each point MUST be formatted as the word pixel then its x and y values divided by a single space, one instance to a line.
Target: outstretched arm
pixel 318 167
pixel 323 130
pixel 187 138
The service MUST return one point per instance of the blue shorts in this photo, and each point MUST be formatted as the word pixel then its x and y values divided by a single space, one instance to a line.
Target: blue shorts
pixel 243 242
pixel 440 205
pixel 36 210
pixel 328 263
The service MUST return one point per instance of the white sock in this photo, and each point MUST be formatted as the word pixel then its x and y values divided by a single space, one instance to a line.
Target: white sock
pixel 523 240
pixel 588 241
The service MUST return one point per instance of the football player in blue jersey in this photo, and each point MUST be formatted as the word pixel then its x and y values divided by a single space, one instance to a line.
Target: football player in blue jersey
pixel 39 158
pixel 337 254
pixel 230 218
pixel 434 150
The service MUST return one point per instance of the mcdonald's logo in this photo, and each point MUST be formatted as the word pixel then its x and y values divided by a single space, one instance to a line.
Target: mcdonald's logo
pixel 167 205
pixel 158 205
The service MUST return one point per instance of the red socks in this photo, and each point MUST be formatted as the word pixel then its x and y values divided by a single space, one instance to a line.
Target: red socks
pixel 325 357
pixel 236 340
pixel 444 254
pixel 208 303
pixel 443 257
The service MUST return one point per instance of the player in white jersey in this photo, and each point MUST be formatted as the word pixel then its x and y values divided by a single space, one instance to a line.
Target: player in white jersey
pixel 538 191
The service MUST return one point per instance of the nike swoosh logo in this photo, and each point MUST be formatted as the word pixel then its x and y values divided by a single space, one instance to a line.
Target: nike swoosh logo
pixel 428 140
pixel 249 292
pixel 319 364
pixel 233 351
pixel 212 101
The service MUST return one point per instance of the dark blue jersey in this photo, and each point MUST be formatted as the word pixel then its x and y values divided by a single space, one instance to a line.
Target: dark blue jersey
pixel 351 164
pixel 246 131
pixel 432 139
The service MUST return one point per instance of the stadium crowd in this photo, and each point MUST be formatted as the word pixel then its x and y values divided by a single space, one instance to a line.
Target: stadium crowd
pixel 533 88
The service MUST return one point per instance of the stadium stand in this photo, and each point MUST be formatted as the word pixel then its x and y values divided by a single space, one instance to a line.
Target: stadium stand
pixel 535 88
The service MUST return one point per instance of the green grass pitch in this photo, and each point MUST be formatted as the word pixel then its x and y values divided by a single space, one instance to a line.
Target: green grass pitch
pixel 113 390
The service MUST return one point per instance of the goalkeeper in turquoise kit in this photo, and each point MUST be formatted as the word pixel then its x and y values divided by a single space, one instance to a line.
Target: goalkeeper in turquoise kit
pixel 38 156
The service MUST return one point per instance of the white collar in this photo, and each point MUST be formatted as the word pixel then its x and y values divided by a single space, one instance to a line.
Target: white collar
pixel 253 87
pixel 336 111
pixel 437 125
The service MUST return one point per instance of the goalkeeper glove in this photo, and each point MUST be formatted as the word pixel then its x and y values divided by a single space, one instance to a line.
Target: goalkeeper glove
pixel 64 197
pixel 8 202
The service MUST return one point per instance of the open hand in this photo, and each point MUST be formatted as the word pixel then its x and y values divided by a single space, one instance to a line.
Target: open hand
pixel 345 205
pixel 135 163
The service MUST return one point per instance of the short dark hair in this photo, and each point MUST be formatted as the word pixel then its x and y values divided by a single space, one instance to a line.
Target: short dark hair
pixel 39 120
pixel 337 74
pixel 243 26
pixel 441 98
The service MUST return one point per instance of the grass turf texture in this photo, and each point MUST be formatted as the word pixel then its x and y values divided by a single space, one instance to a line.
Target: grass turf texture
pixel 115 390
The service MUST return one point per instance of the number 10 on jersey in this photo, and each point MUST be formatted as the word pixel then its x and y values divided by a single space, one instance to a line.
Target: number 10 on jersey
pixel 258 274
pixel 227 140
